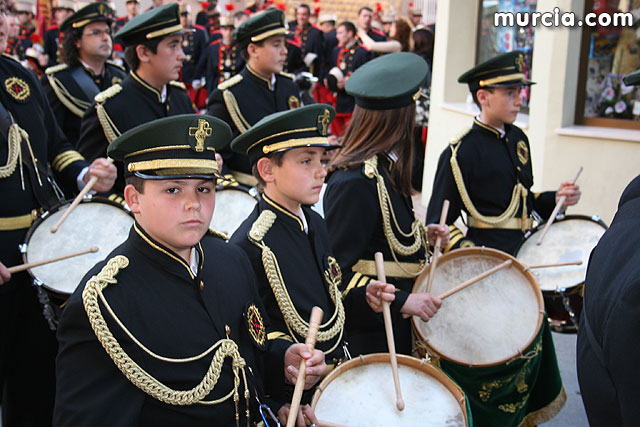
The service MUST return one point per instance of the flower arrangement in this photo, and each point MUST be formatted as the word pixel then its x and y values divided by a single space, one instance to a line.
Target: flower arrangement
pixel 615 99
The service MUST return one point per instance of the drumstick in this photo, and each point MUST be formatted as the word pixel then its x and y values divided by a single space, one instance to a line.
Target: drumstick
pixel 436 250
pixel 314 323
pixel 473 280
pixel 557 209
pixel 386 313
pixel 77 200
pixel 559 264
pixel 22 267
pixel 322 423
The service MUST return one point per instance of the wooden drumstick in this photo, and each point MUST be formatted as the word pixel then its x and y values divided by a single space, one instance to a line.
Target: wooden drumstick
pixel 476 279
pixel 314 323
pixel 322 423
pixel 77 200
pixel 557 209
pixel 436 250
pixel 559 264
pixel 386 313
pixel 22 267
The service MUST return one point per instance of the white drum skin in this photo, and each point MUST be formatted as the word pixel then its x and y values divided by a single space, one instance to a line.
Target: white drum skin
pixel 233 206
pixel 92 223
pixel 570 239
pixel 360 392
pixel 487 323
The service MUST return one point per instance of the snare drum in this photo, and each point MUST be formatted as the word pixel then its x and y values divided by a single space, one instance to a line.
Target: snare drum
pixel 233 206
pixel 360 392
pixel 569 239
pixel 94 222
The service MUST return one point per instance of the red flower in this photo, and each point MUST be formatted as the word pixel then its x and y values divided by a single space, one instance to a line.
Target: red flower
pixel 378 7
pixel 229 6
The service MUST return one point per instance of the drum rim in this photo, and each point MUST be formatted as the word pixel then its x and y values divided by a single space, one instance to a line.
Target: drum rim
pixel 47 214
pixel 242 188
pixel 498 254
pixel 420 364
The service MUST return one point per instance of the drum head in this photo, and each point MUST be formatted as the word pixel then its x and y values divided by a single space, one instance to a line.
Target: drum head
pixel 92 223
pixel 487 323
pixel 233 206
pixel 569 239
pixel 361 393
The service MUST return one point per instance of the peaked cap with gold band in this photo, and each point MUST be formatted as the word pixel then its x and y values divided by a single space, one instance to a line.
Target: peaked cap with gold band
pixel 158 22
pixel 93 12
pixel 388 82
pixel 260 27
pixel 503 70
pixel 182 146
pixel 307 126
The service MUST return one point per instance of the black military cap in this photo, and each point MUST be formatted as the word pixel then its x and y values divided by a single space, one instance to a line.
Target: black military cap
pixel 260 27
pixel 93 12
pixel 502 70
pixel 157 22
pixel 632 79
pixel 306 126
pixel 181 146
pixel 388 82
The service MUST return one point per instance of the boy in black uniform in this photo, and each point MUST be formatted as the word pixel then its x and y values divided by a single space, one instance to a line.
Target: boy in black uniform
pixel 288 243
pixel 222 57
pixel 169 329
pixel 260 88
pixel 487 171
pixel 86 48
pixel 28 129
pixel 154 53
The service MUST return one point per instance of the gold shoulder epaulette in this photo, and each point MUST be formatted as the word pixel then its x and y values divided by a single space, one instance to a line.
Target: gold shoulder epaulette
pixel 54 69
pixel 370 167
pixel 178 84
pixel 115 64
pixel 231 82
pixel 262 225
pixel 282 73
pixel 108 93
pixel 456 139
pixel 219 234
pixel 6 55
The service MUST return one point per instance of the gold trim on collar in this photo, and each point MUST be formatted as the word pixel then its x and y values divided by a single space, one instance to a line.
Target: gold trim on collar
pixel 295 143
pixel 164 251
pixel 275 135
pixel 157 164
pixel 266 35
pixel 249 69
pixel 501 79
pixel 487 127
pixel 164 31
pixel 146 85
pixel 283 210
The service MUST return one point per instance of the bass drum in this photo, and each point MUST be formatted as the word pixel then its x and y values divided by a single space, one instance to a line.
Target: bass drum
pixel 233 206
pixel 360 392
pixel 571 238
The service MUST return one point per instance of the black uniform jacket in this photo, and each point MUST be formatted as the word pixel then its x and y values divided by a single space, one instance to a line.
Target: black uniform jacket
pixel 491 166
pixel 51 43
pixel 77 93
pixel 221 63
pixel 136 103
pixel 311 41
pixel 348 60
pixel 251 97
pixel 608 350
pixel 354 221
pixel 193 45
pixel 175 314
pixel 22 96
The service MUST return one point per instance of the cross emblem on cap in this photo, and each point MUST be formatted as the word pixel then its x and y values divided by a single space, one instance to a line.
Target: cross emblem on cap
pixel 101 9
pixel 323 120
pixel 200 133
pixel 519 63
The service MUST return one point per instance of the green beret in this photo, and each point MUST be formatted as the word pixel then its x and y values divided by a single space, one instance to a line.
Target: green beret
pixel 502 70
pixel 388 82
pixel 91 13
pixel 632 79
pixel 306 126
pixel 182 146
pixel 260 27
pixel 157 22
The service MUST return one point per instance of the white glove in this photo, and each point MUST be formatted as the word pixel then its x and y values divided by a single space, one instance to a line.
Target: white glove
pixel 196 84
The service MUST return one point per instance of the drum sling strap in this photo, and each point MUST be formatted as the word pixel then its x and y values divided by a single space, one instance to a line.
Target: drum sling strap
pixel 597 349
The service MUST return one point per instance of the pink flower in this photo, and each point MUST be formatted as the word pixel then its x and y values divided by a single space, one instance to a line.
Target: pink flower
pixel 620 107
pixel 609 110
pixel 609 93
